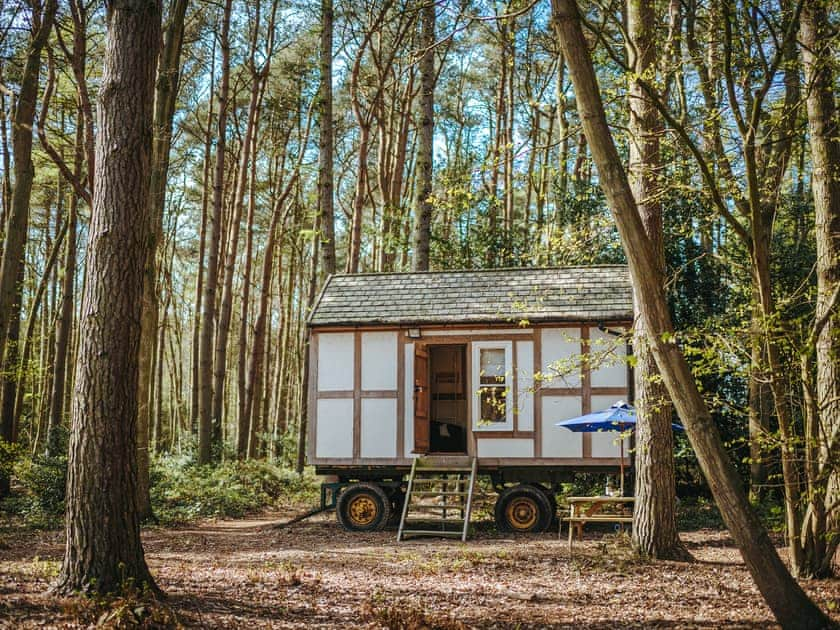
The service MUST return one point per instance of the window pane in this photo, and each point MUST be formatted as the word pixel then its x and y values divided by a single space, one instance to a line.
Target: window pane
pixel 493 405
pixel 492 366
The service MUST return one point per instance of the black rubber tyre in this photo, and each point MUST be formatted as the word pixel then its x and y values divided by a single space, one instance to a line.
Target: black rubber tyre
pixel 552 501
pixel 363 507
pixel 523 509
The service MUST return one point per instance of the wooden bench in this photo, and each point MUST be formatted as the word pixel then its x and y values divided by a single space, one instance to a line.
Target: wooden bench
pixel 584 510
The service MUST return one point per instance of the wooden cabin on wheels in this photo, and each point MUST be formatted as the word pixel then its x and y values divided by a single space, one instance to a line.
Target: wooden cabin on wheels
pixel 468 371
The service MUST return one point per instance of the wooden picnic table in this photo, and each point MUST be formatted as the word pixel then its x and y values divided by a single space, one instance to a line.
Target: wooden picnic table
pixel 584 510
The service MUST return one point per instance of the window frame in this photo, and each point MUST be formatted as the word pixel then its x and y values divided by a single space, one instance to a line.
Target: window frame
pixel 477 347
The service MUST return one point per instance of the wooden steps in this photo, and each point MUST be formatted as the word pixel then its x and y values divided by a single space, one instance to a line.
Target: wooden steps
pixel 438 499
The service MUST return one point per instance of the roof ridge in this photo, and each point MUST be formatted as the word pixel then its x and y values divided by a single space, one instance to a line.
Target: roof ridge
pixel 492 270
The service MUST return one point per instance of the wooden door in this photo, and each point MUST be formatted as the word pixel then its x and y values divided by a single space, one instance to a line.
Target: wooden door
pixel 421 399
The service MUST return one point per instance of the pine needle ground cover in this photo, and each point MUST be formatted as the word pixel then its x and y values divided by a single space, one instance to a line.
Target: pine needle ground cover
pixel 247 573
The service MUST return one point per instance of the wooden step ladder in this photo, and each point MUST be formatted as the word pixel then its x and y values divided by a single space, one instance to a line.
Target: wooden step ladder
pixel 438 501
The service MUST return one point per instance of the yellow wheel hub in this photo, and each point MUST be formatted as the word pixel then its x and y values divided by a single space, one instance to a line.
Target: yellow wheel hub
pixel 362 510
pixel 522 513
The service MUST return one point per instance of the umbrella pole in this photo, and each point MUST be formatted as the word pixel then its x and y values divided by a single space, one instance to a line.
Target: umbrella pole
pixel 621 465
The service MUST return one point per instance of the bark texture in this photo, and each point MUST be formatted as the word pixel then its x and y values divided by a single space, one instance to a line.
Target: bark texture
pixel 654 514
pixel 17 222
pixel 325 157
pixel 166 92
pixel 103 550
pixel 789 603
pixel 425 144
pixel 819 59
pixel 209 425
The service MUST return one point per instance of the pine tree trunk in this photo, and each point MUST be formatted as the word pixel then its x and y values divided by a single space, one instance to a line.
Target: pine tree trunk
pixel 195 378
pixel 326 142
pixel 9 383
pixel 426 136
pixel 166 92
pixel 654 515
pixel 17 221
pixel 103 549
pixel 209 427
pixel 784 596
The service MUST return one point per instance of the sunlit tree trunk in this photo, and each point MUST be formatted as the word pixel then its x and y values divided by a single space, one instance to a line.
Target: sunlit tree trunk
pixel 818 47
pixel 654 514
pixel 166 92
pixel 784 596
pixel 103 550
pixel 425 145
pixel 326 141
pixel 17 221
pixel 209 424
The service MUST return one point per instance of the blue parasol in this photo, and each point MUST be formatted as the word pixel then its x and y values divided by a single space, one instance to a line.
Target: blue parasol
pixel 619 417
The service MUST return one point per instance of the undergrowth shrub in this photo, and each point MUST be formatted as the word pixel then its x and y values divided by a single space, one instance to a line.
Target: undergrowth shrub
pixel 43 480
pixel 182 491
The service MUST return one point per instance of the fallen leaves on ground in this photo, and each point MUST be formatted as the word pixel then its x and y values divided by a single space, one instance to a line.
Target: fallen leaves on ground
pixel 248 574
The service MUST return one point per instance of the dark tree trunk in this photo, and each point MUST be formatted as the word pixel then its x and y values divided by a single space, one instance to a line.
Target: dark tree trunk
pixel 426 136
pixel 784 596
pixel 654 514
pixel 166 92
pixel 10 383
pixel 103 550
pixel 17 221
pixel 325 157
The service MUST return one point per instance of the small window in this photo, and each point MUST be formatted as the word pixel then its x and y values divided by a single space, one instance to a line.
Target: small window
pixel 492 385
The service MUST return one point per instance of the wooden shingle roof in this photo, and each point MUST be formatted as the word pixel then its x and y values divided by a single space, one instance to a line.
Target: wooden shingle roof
pixel 593 293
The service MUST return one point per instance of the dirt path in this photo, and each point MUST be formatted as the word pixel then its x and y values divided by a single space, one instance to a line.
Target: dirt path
pixel 246 574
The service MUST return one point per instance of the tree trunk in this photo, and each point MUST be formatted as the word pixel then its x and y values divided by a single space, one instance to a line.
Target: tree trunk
pixel 209 427
pixel 195 378
pixel 9 383
pixel 426 136
pixel 784 596
pixel 819 55
pixel 103 551
pixel 17 222
pixel 326 142
pixel 303 421
pixel 166 93
pixel 654 515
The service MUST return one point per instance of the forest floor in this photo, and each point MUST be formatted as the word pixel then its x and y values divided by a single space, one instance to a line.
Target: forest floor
pixel 246 573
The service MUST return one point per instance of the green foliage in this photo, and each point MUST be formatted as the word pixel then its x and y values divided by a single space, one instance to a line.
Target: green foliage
pixel 10 453
pixel 698 513
pixel 44 481
pixel 182 491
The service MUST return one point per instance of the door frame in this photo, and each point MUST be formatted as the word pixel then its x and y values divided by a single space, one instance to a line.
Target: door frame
pixel 464 347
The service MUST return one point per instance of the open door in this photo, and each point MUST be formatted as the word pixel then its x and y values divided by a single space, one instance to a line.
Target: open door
pixel 421 399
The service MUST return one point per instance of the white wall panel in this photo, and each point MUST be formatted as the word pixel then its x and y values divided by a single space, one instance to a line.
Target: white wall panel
pixel 605 443
pixel 609 360
pixel 556 441
pixel 525 385
pixel 334 434
pixel 408 392
pixel 335 361
pixel 379 360
pixel 379 427
pixel 561 357
pixel 505 448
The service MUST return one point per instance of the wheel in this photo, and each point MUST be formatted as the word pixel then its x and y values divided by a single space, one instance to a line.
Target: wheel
pixel 523 508
pixel 552 501
pixel 363 507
